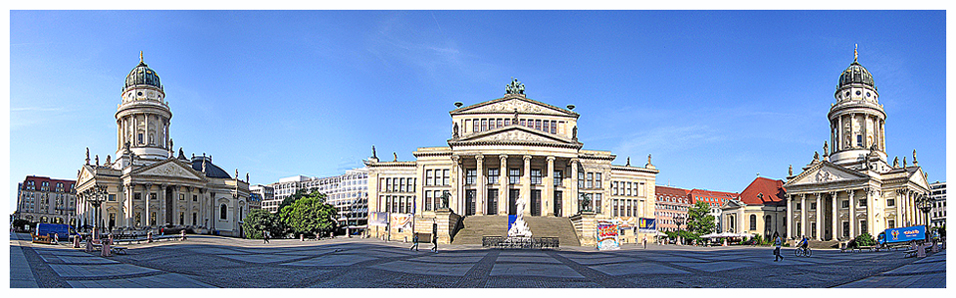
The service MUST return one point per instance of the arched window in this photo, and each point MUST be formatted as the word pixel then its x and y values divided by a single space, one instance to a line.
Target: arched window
pixel 222 211
pixel 753 222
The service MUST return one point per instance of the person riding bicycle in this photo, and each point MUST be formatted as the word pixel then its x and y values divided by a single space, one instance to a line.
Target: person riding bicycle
pixel 804 242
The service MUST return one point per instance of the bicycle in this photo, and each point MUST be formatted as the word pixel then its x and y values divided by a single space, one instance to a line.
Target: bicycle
pixel 803 252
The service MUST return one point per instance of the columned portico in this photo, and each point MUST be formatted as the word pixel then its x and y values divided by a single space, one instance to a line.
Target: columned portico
pixel 819 220
pixel 480 185
pixel 503 189
pixel 548 196
pixel 526 185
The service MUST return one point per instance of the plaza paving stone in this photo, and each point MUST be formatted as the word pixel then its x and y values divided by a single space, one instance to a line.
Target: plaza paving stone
pixel 211 261
pixel 637 268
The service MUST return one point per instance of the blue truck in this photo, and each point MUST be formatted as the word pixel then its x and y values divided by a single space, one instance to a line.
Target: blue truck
pixel 62 231
pixel 901 236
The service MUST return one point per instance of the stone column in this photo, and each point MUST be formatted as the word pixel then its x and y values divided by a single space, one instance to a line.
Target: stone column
pixel 819 235
pixel 852 214
pixel 526 185
pixel 133 142
pixel 161 215
pixel 548 195
pixel 454 203
pixel 147 223
pixel 480 186
pixel 836 216
pixel 128 202
pixel 803 215
pixel 166 139
pixel 789 217
pixel 503 188
pixel 870 218
pixel 840 133
pixel 572 207
pixel 146 140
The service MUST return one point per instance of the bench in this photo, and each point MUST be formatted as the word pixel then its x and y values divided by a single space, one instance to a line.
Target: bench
pixel 119 250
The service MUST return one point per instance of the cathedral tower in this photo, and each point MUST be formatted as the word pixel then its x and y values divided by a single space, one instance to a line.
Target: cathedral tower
pixel 142 119
pixel 856 119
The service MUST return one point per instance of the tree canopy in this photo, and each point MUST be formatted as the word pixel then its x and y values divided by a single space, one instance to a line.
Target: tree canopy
pixel 260 220
pixel 310 215
pixel 699 221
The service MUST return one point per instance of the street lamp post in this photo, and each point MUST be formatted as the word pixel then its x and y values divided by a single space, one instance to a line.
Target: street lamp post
pixel 925 204
pixel 95 195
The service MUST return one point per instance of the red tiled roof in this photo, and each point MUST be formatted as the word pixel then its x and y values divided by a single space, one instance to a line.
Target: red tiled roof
pixel 671 191
pixel 38 182
pixel 771 190
pixel 710 194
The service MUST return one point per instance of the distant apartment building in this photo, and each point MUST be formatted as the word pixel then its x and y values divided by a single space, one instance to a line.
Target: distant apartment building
pixel 671 207
pixel 347 192
pixel 46 200
pixel 938 196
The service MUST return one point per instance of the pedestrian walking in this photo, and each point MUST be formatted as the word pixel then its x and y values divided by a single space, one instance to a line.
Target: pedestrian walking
pixel 776 251
pixel 414 242
pixel 435 242
pixel 645 241
pixel 265 237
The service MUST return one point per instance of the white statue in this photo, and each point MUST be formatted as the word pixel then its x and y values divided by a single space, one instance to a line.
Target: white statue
pixel 520 227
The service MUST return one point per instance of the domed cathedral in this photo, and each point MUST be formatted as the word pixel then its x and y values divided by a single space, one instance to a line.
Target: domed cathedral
pixel 147 185
pixel 501 153
pixel 851 189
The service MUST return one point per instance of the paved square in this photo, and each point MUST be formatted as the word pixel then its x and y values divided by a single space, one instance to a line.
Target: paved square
pixel 425 268
pixel 525 269
pixel 619 269
pixel 331 260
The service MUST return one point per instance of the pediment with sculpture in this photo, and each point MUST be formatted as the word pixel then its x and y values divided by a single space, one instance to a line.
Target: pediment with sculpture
pixel 514 104
pixel 515 134
pixel 825 172
pixel 169 168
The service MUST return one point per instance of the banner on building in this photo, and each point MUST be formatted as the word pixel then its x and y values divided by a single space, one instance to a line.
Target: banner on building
pixel 647 225
pixel 377 219
pixel 625 222
pixel 607 235
pixel 402 220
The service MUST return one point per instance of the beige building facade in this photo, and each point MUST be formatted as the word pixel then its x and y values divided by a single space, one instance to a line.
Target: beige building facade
pixel 502 151
pixel 147 186
pixel 852 189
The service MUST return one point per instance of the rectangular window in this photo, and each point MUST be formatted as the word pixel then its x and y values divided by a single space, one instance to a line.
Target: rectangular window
pixel 813 206
pixel 798 206
pixel 491 124
pixel 863 203
pixel 536 176
pixel 470 176
pixel 401 184
pixel 640 189
pixel 507 122
pixel 627 190
pixel 846 229
pixel 614 211
pixel 428 201
pixel 182 197
pixel 597 202
pixel 195 198
pixel 613 188
pixel 891 223
pixel 112 197
pixel 514 176
pixel 493 176
pixel 597 181
pixel 474 126
pixel 522 122
pixel 557 178
pixel 437 199
pixel 445 177
pixel 554 127
pixel 414 182
pixel 859 140
pixel 428 177
pixel 844 204
pixel 500 122
pixel 537 124
pixel 484 124
pixel 589 181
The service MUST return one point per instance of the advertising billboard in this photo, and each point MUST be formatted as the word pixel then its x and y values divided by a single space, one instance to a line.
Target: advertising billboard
pixel 377 219
pixel 647 225
pixel 607 235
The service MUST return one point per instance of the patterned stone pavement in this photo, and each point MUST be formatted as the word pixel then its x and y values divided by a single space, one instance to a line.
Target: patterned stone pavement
pixel 206 261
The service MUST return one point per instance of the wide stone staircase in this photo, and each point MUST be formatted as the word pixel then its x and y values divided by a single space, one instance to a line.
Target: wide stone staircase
pixel 476 227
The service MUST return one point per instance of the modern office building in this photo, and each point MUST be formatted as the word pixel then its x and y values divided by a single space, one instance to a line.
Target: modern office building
pixel 45 200
pixel 938 195
pixel 267 195
pixel 347 192
pixel 853 186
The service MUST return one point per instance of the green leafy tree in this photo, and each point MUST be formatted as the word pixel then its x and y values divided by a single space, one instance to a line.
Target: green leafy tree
pixel 699 221
pixel 864 240
pixel 299 193
pixel 260 220
pixel 310 215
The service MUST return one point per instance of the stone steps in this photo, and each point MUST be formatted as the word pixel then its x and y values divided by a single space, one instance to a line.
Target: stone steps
pixel 476 227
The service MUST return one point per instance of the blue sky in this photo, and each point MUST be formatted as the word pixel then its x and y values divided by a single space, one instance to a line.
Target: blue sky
pixel 715 96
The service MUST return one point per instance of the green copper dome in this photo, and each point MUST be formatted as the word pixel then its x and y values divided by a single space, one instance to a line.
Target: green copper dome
pixel 142 75
pixel 856 74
